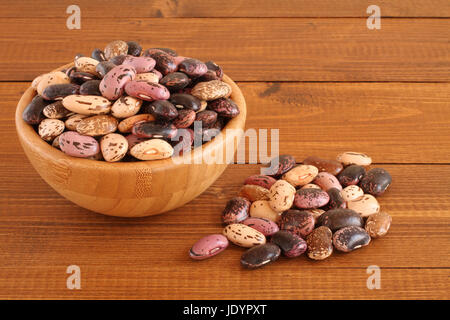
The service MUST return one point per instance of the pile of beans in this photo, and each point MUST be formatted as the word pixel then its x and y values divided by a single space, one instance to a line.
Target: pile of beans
pixel 125 104
pixel 315 207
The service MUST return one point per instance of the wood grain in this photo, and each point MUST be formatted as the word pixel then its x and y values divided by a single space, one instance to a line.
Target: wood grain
pixel 230 8
pixel 42 234
pixel 394 123
pixel 269 49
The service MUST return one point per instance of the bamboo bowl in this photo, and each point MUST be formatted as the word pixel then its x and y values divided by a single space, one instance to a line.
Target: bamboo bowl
pixel 129 189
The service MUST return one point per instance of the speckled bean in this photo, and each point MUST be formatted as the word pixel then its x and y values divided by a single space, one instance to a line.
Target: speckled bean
pixel 146 90
pixel 225 107
pixel 265 226
pixel 281 196
pixel 113 83
pixel 320 243
pixel 262 209
pixel 350 238
pixel 311 198
pixel 327 181
pixel 299 222
pixel 236 210
pixel 301 175
pixel 365 206
pixel 243 235
pixel 336 219
pixel 76 145
pixel 351 175
pixel 350 157
pixel 208 247
pixel 261 255
pixel 260 180
pixel 114 147
pixel 254 192
pixel 376 181
pixel 378 224
pixel 291 244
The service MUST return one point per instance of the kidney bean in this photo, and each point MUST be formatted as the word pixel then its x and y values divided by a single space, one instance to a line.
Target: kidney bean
pixel 91 87
pixel 154 130
pixel 261 255
pixel 161 110
pixel 185 101
pixel 291 244
pixel 225 107
pixel 59 91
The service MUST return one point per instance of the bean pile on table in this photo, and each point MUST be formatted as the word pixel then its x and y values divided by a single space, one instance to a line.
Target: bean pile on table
pixel 126 104
pixel 315 207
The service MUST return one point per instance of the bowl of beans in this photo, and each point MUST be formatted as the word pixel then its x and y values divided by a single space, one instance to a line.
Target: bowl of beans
pixel 131 132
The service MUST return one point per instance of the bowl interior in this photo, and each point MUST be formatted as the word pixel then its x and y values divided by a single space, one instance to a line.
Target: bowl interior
pixel 27 133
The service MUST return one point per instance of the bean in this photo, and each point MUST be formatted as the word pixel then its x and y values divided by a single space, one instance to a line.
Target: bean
pixel 91 87
pixel 265 226
pixel 225 107
pixel 161 109
pixel 351 175
pixel 184 100
pixel 311 198
pixel 254 193
pixel 175 81
pixel 208 247
pixel 243 235
pixel 336 219
pixel 376 181
pixel 378 224
pixel 291 244
pixel 299 222
pixel 260 180
pixel 236 210
pixel 320 243
pixel 60 91
pixel 324 165
pixel 154 130
pixel 261 255
pixel 34 111
pixel 350 238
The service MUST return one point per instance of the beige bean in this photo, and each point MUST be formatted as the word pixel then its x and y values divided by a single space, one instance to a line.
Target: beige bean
pixel 350 157
pixel 49 129
pixel 88 105
pixel 153 149
pixel 114 147
pixel 282 195
pixel 351 193
pixel 365 206
pixel 148 76
pixel 72 122
pixel 301 175
pixel 97 125
pixel 211 90
pixel 262 209
pixel 243 235
pixel 86 64
pixel 125 107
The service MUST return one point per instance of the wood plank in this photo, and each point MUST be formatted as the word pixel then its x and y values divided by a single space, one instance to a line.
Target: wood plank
pixel 394 123
pixel 39 219
pixel 41 234
pixel 248 49
pixel 131 281
pixel 231 8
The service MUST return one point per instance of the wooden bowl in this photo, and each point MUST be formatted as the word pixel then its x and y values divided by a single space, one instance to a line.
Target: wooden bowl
pixel 129 189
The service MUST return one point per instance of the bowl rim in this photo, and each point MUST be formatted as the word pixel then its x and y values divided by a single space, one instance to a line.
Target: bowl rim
pixel 29 136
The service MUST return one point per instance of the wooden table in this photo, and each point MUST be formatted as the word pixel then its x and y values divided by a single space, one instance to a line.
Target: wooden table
pixel 310 68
